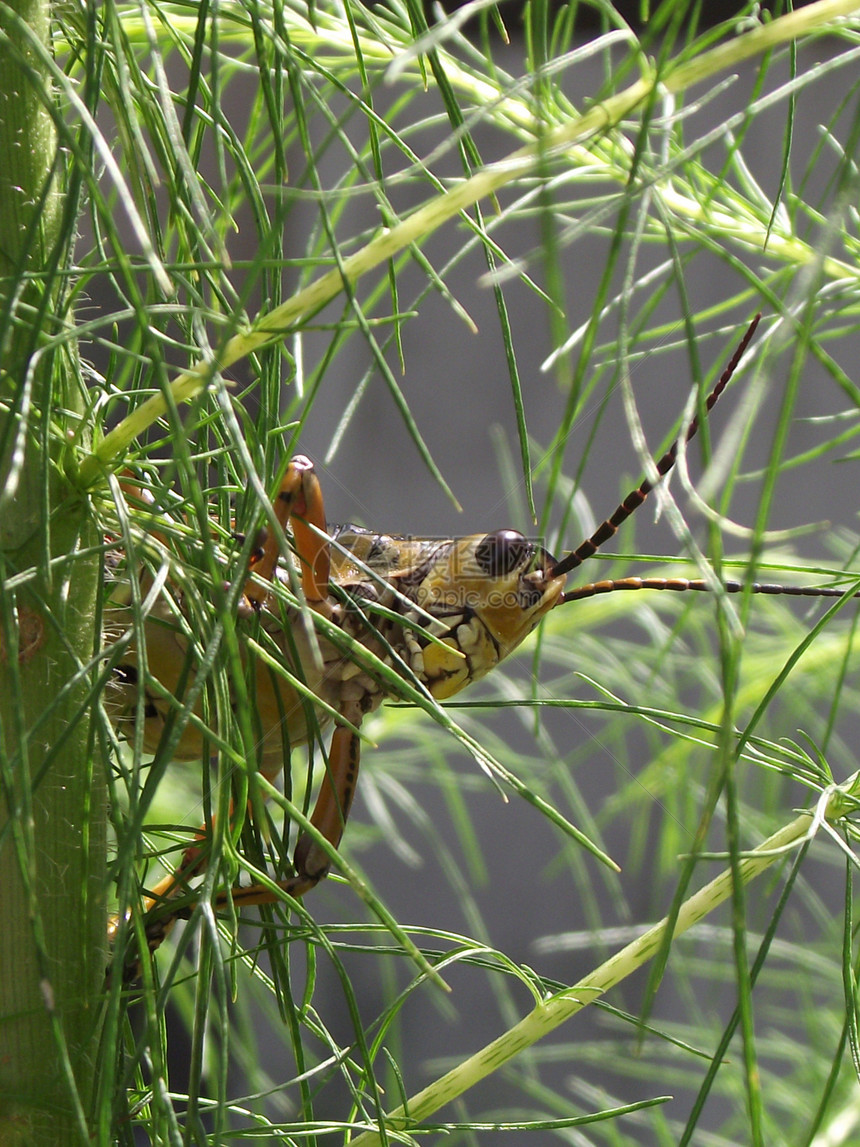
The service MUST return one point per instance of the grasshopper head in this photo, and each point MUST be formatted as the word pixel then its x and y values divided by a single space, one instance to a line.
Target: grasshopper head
pixel 491 590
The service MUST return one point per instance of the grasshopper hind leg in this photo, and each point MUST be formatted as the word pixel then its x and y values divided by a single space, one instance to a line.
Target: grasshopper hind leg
pixel 311 860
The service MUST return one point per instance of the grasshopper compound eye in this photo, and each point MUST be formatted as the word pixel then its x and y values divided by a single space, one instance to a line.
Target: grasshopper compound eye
pixel 500 553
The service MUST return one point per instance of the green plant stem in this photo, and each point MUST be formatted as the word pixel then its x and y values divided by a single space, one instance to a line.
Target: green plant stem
pixel 52 814
pixel 485 183
pixel 555 1011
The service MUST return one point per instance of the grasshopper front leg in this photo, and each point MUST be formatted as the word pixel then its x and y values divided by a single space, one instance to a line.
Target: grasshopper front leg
pixel 299 503
pixel 301 498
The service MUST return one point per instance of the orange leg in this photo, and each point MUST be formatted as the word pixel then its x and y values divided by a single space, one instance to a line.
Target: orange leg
pixel 333 804
pixel 311 861
pixel 299 501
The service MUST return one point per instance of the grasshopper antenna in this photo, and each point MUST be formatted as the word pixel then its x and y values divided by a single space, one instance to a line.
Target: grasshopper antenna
pixel 636 497
pixel 681 584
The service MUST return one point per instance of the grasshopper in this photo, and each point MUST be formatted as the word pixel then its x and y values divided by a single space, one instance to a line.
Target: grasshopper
pixel 443 613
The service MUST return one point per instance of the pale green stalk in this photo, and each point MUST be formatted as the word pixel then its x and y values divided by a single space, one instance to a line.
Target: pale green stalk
pixel 52 808
pixel 549 1015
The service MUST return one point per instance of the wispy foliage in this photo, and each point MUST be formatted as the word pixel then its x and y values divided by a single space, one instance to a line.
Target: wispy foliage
pixel 260 191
